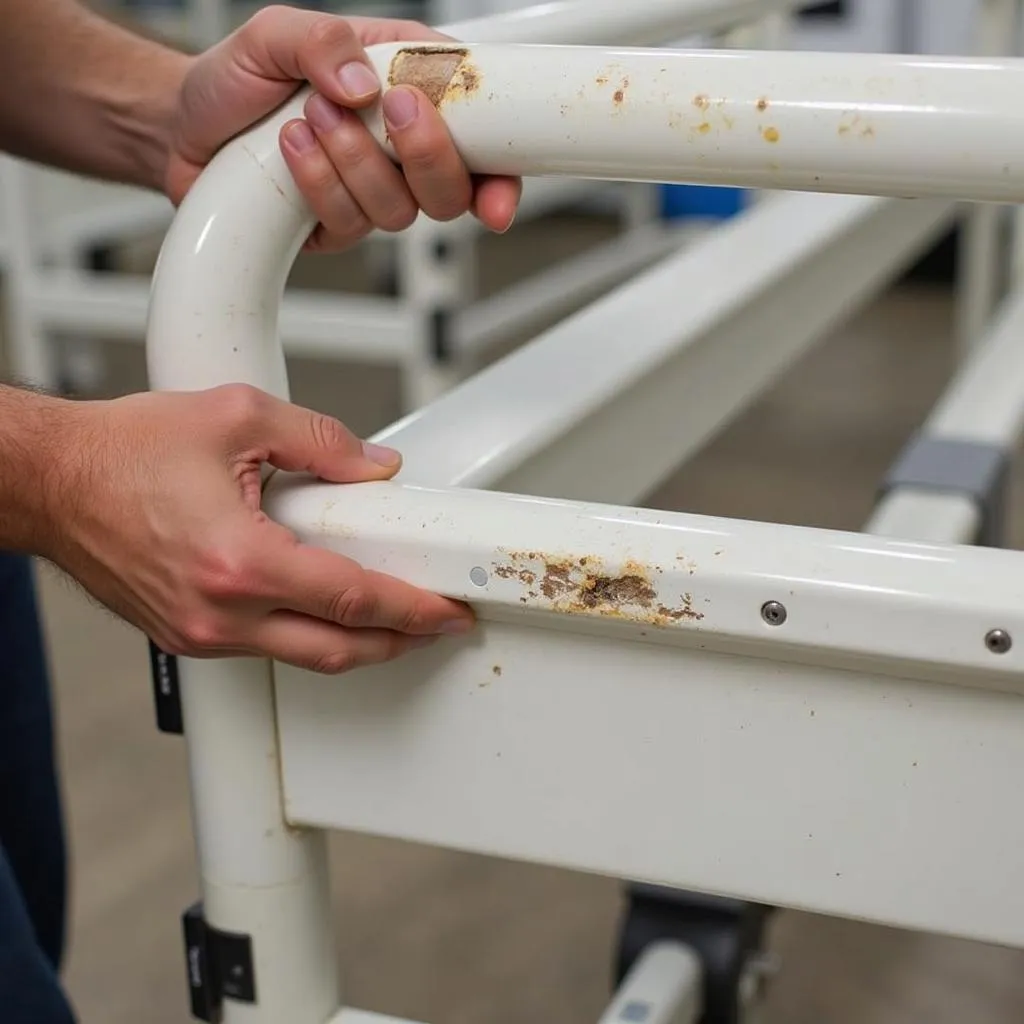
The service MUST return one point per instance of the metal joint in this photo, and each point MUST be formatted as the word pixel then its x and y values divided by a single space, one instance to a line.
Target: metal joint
pixel 219 964
pixel 976 470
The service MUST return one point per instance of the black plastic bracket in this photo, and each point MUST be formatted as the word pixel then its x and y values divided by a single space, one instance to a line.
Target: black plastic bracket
pixel 166 691
pixel 978 471
pixel 219 967
pixel 726 934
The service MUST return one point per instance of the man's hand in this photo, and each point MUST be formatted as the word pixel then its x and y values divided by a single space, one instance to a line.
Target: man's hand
pixel 159 518
pixel 348 180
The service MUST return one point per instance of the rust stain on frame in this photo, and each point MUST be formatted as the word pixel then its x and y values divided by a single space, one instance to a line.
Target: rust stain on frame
pixel 441 73
pixel 582 586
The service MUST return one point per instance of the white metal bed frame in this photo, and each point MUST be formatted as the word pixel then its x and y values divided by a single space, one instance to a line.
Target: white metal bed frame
pixel 799 717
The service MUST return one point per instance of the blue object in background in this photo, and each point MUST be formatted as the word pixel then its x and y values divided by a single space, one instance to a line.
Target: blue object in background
pixel 703 201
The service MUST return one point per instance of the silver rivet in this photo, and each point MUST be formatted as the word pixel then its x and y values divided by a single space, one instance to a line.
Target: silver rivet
pixel 478 576
pixel 774 613
pixel 998 641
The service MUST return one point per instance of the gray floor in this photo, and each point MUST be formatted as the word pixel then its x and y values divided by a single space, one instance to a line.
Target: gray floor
pixel 456 939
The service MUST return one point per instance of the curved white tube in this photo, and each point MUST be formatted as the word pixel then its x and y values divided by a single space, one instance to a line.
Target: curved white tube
pixel 873 124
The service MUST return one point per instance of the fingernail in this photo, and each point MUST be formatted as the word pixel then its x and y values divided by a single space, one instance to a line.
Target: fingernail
pixel 300 137
pixel 508 227
pixel 457 627
pixel 400 108
pixel 386 457
pixel 358 81
pixel 322 114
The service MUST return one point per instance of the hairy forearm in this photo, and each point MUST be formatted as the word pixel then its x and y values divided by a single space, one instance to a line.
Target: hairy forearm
pixel 84 94
pixel 37 434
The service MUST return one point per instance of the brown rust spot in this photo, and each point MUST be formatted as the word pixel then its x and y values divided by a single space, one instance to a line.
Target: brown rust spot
pixel 441 73
pixel 762 104
pixel 770 134
pixel 601 79
pixel 704 127
pixel 619 96
pixel 497 670
pixel 581 586
pixel 702 101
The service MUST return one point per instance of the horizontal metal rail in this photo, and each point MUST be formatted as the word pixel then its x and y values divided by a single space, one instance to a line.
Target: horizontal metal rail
pixel 605 404
pixel 636 23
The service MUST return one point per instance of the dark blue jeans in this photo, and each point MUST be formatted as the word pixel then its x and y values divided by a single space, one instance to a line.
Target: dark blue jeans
pixel 33 886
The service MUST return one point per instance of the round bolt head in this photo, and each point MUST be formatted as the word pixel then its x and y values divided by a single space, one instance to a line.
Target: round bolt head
pixel 998 641
pixel 774 613
pixel 478 576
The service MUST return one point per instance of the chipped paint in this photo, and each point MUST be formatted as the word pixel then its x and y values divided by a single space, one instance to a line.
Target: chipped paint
pixel 442 73
pixel 584 586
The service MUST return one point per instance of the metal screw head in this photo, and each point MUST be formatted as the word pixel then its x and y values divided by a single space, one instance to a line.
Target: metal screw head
pixel 774 613
pixel 998 641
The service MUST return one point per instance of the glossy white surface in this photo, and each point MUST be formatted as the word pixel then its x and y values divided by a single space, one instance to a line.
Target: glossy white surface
pixel 626 746
pixel 596 22
pixel 867 123
pixel 905 608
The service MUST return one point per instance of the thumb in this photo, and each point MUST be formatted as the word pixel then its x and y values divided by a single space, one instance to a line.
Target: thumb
pixel 299 440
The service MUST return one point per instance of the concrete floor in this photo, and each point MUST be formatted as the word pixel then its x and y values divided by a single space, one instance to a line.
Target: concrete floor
pixel 456 939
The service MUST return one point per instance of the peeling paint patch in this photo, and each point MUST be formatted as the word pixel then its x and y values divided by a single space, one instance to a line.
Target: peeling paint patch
pixel 442 73
pixel 583 586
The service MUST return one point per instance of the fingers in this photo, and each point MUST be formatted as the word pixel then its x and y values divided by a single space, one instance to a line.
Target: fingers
pixel 262 428
pixel 284 43
pixel 496 201
pixel 357 177
pixel 436 174
pixel 331 650
pixel 327 586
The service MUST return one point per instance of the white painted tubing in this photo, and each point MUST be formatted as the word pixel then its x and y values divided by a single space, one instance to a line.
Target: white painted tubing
pixel 874 124
pixel 618 22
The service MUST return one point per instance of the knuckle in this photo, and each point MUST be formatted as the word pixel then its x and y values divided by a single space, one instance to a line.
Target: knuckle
pixel 327 432
pixel 199 633
pixel 265 21
pixel 356 605
pixel 240 404
pixel 334 663
pixel 329 33
pixel 222 574
pixel 413 620
pixel 399 218
pixel 350 146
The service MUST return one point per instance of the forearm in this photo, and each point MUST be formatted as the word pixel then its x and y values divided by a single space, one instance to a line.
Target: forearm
pixel 36 435
pixel 82 93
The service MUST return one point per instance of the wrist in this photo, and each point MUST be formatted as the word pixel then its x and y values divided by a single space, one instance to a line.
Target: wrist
pixel 144 120
pixel 43 454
